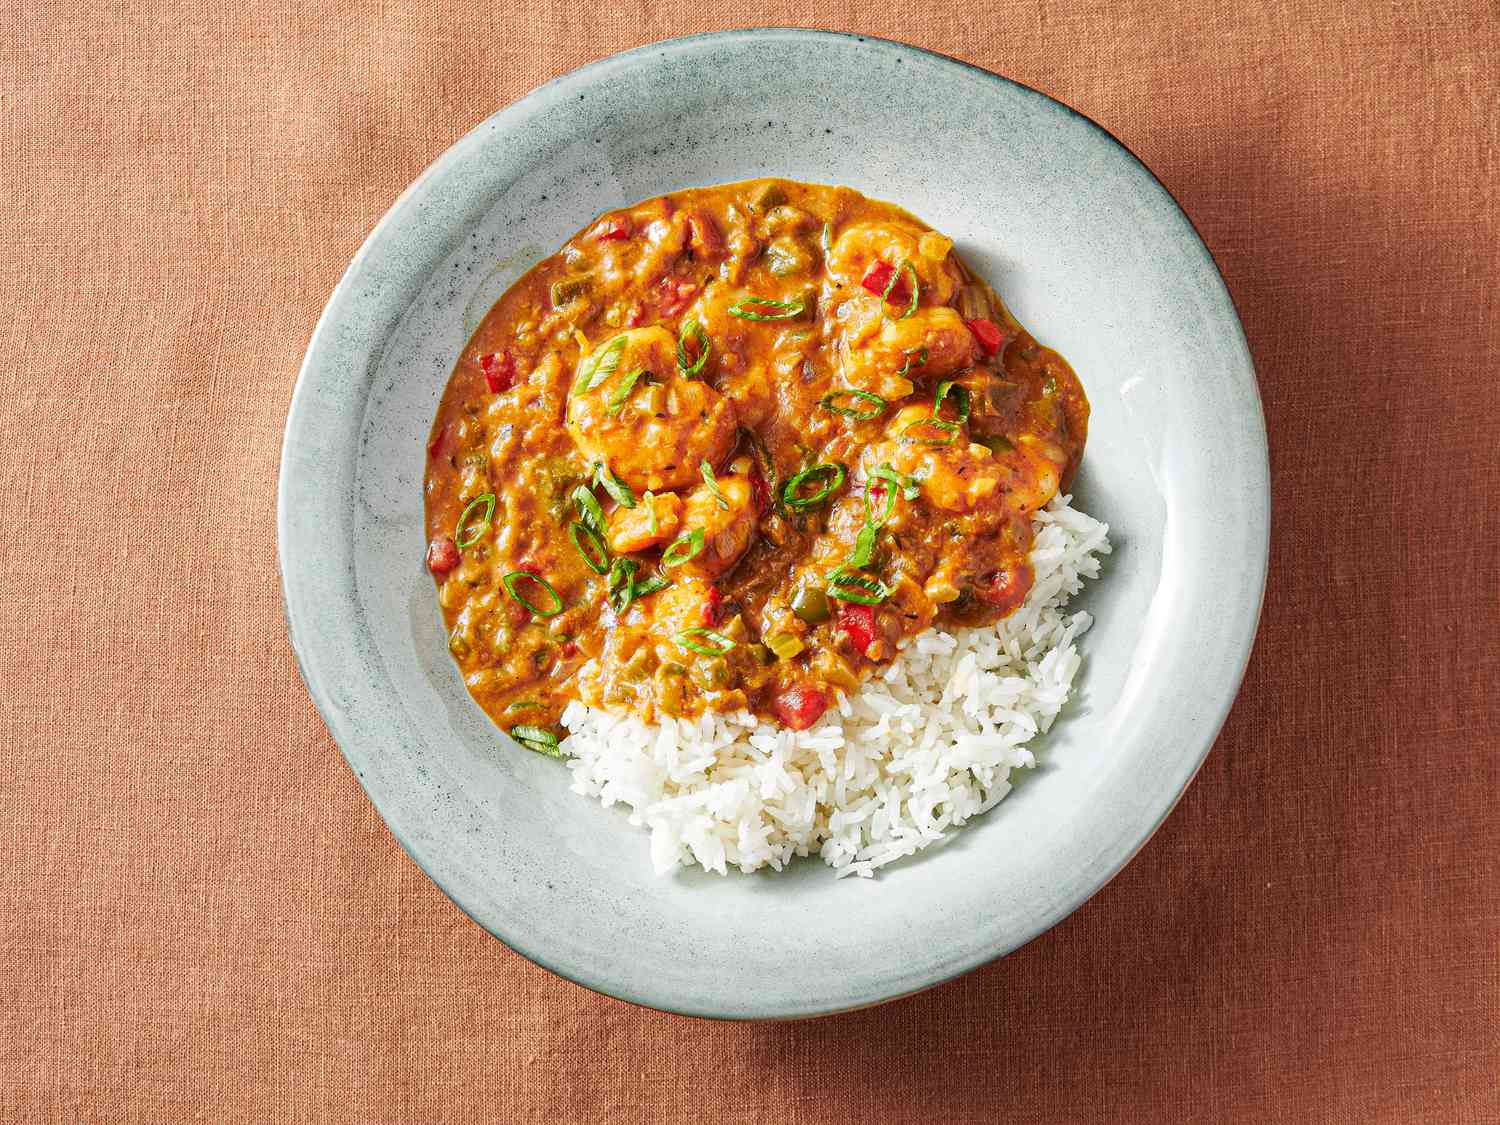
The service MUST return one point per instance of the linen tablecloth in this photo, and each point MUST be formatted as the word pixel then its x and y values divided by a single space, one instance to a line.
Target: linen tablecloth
pixel 202 918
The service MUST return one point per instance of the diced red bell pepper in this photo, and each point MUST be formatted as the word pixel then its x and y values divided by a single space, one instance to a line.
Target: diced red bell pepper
pixel 442 555
pixel 613 230
pixel 800 707
pixel 992 338
pixel 637 316
pixel 568 650
pixel 879 276
pixel 1007 589
pixel 435 446
pixel 499 371
pixel 858 622
pixel 713 606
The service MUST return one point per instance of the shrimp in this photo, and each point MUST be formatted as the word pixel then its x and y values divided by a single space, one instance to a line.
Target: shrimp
pixel 728 527
pixel 884 355
pixel 653 521
pixel 655 430
pixel 864 245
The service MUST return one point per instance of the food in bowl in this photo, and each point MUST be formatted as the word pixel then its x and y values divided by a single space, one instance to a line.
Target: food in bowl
pixel 751 501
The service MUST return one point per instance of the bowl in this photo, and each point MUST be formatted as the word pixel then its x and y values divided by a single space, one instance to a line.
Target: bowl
pixel 1091 254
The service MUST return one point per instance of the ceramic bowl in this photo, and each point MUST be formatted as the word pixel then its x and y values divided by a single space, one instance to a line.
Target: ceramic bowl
pixel 1091 254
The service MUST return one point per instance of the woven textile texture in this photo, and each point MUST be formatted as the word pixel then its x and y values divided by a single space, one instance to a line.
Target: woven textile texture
pixel 202 918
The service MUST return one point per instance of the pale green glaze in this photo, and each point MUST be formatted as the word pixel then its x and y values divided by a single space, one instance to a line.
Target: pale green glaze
pixel 1092 255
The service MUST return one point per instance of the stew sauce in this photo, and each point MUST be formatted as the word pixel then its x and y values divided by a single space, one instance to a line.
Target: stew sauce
pixel 726 449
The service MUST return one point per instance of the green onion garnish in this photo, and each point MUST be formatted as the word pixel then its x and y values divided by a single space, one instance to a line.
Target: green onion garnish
pixel 916 357
pixel 764 308
pixel 854 588
pixel 894 484
pixel 599 366
pixel 691 330
pixel 613 485
pixel 685 548
pixel 538 739
pixel 713 484
pixel 960 399
pixel 465 536
pixel 581 533
pixel 767 466
pixel 864 547
pixel 588 507
pixel 688 639
pixel 791 493
pixel 859 414
pixel 827 239
pixel 509 582
pixel 521 705
pixel 949 429
pixel 622 583
pixel 651 585
pixel 621 394
pixel 904 268
pixel 649 499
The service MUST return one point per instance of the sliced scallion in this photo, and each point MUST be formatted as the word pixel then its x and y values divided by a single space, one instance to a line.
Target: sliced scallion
pixel 649 499
pixel 595 553
pixel 911 273
pixel 827 239
pixel 598 366
pixel 588 507
pixel 792 492
pixel 692 330
pixel 764 308
pixel 618 489
pixel 960 396
pixel 621 394
pixel 856 588
pixel 712 481
pixel 650 585
pixel 767 466
pixel 932 427
pixel 537 739
pixel 851 409
pixel 864 547
pixel 509 581
pixel 915 357
pixel 464 535
pixel 622 583
pixel 685 548
pixel 688 639
pixel 889 489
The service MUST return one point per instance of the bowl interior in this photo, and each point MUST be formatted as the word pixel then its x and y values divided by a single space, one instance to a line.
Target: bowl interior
pixel 1092 256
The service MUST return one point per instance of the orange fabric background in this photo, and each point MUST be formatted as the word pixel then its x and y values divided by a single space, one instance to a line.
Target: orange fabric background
pixel 201 917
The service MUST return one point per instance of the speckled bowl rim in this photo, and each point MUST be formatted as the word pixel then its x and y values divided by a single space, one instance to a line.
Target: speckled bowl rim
pixel 344 292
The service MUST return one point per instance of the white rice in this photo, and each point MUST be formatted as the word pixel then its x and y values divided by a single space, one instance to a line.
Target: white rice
pixel 925 744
